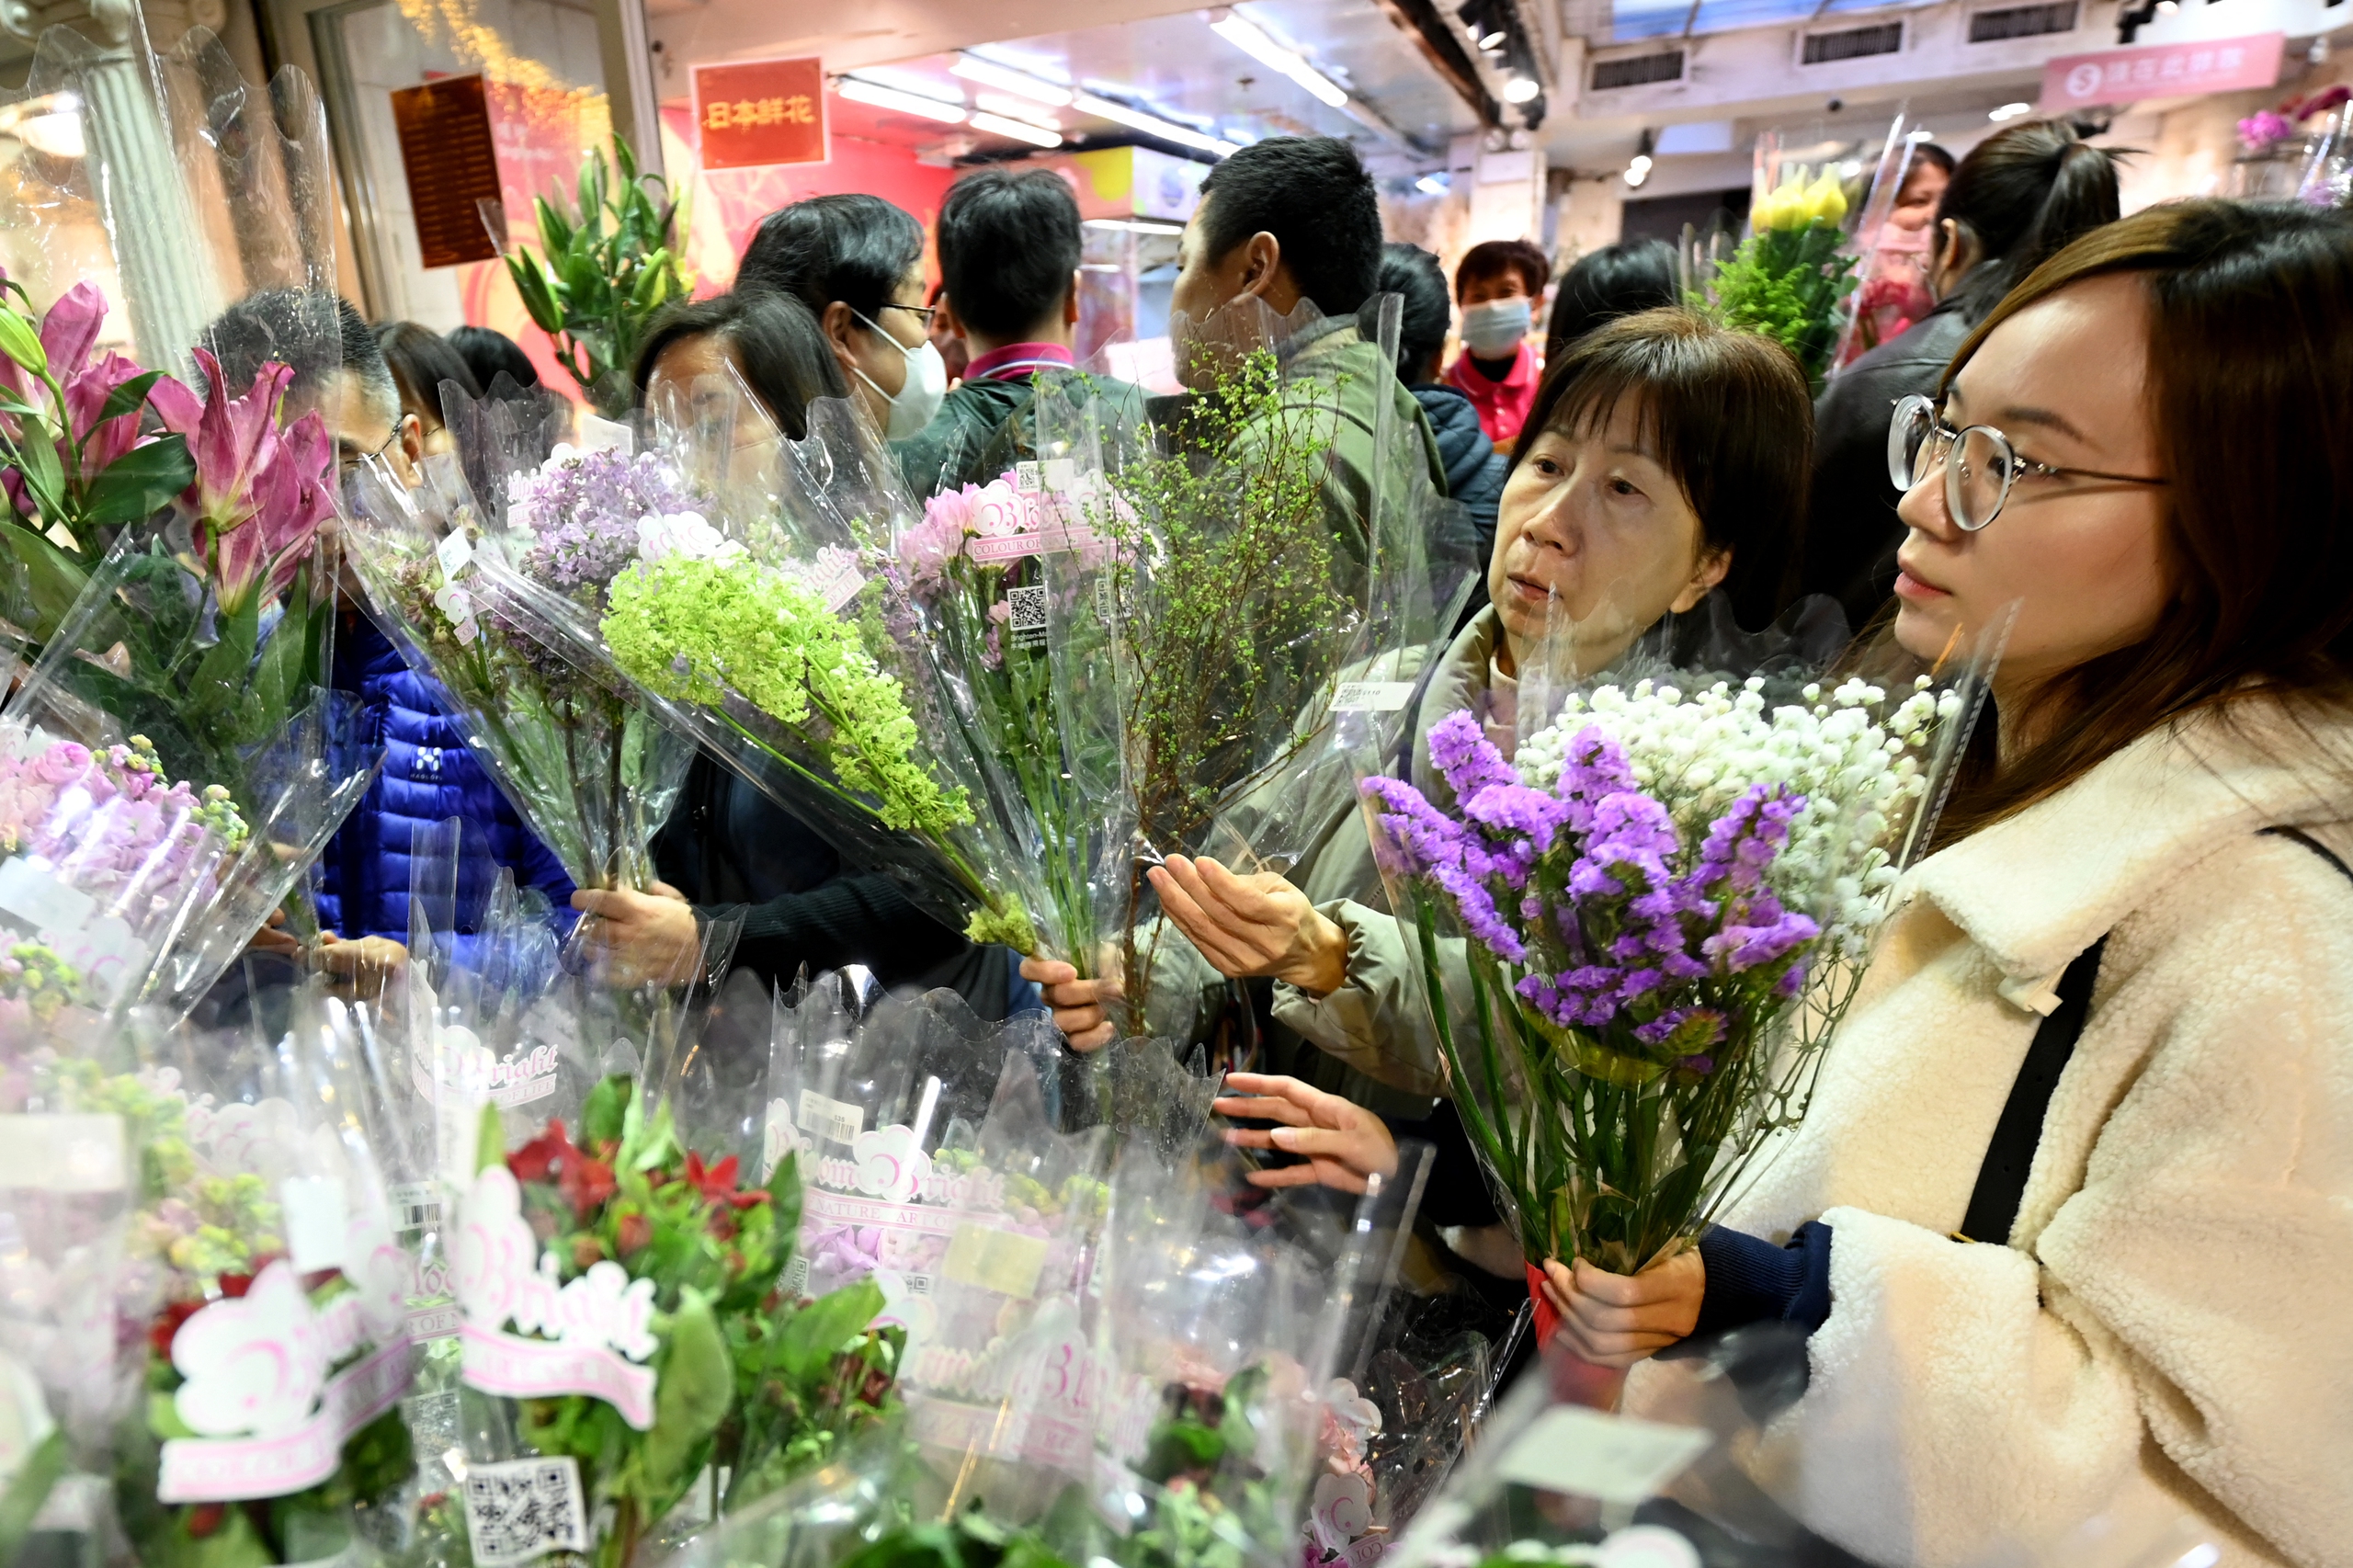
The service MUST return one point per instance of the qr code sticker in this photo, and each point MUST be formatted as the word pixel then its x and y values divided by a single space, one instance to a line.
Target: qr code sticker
pixel 523 1510
pixel 1028 620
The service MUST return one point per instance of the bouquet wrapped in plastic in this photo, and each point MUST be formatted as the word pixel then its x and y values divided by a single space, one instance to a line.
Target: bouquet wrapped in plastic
pixel 593 772
pixel 1635 938
pixel 268 1297
pixel 1789 279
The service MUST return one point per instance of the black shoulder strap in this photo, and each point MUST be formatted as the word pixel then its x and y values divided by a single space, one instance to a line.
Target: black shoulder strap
pixel 2001 1180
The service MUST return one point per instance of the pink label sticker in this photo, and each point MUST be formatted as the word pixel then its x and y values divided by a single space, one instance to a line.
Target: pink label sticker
pixel 230 1470
pixel 843 1209
pixel 437 1322
pixel 995 548
pixel 537 1369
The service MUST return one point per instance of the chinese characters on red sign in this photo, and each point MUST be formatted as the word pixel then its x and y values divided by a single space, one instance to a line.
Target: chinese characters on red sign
pixel 2161 71
pixel 760 111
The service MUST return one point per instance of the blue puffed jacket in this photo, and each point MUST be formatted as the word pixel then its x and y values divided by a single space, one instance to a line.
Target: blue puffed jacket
pixel 429 776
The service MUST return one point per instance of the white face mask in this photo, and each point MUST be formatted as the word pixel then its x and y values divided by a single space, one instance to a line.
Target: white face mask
pixel 1494 329
pixel 920 395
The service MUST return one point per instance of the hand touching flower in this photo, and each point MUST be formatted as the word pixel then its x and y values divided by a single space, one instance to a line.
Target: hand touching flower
pixel 1344 1145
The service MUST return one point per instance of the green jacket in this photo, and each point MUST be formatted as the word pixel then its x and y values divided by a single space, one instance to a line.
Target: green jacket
pixel 982 429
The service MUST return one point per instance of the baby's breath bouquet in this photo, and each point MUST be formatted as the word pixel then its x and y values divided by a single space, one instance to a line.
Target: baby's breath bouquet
pixel 1636 935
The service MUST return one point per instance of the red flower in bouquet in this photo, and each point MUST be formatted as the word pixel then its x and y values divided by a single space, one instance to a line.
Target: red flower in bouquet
pixel 541 1158
pixel 717 1183
pixel 584 1180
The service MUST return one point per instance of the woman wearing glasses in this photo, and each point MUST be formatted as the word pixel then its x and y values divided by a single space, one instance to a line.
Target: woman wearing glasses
pixel 2069 1222
pixel 857 263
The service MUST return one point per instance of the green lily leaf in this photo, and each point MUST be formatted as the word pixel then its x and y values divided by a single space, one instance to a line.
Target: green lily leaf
pixel 694 1385
pixel 54 577
pixel 129 397
pixel 140 483
pixel 21 1499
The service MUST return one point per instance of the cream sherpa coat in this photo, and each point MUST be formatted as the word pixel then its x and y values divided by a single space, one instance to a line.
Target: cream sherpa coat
pixel 2172 1327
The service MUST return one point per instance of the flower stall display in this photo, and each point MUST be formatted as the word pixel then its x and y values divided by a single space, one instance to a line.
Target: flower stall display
pixel 623 1300
pixel 592 772
pixel 269 1296
pixel 1663 901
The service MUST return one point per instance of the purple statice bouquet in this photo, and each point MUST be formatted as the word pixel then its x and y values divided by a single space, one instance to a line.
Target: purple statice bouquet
pixel 1635 933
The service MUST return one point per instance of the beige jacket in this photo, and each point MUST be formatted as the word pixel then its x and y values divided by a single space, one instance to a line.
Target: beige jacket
pixel 2170 1328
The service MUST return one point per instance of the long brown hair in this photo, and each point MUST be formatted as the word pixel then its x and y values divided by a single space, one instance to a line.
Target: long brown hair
pixel 2251 397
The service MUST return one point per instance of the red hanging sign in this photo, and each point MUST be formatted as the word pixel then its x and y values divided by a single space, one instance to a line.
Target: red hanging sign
pixel 753 112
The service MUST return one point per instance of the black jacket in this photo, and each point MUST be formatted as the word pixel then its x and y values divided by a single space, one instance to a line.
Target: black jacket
pixel 1852 531
pixel 732 851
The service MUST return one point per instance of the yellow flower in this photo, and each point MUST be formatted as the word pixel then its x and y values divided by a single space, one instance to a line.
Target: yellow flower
pixel 1825 202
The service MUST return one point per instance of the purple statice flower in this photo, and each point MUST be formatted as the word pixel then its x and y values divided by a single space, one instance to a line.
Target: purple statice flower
pixel 581 510
pixel 1768 934
pixel 1630 832
pixel 1594 770
pixel 1742 842
pixel 1465 757
pixel 1480 917
pixel 1662 1027
pixel 1426 836
pixel 1520 824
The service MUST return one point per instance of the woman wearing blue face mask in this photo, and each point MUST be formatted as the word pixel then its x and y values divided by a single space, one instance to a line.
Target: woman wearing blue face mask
pixel 1499 284
pixel 857 263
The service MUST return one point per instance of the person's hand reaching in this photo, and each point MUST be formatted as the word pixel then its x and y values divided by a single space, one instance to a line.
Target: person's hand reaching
pixel 641 938
pixel 1081 1007
pixel 1344 1143
pixel 1616 1320
pixel 1252 925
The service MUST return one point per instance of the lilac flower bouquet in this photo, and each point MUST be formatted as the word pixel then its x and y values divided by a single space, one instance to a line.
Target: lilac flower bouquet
pixel 1662 900
pixel 591 770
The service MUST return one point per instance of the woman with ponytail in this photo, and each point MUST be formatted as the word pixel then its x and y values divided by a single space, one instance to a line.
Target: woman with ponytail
pixel 2022 196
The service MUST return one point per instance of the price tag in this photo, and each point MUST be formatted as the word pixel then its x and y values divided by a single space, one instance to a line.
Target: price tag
pixel 1615 1458
pixel 416 1205
pixel 315 1219
pixel 1371 695
pixel 465 632
pixel 833 1120
pixel 454 553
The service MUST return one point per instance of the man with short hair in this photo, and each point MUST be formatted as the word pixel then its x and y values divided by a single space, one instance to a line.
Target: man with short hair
pixel 338 370
pixel 1008 263
pixel 1289 220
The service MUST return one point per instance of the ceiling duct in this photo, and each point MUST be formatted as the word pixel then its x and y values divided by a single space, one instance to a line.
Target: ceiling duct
pixel 1636 70
pixel 1852 43
pixel 2022 21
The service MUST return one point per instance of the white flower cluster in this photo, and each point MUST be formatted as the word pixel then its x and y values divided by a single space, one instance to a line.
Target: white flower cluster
pixel 1858 762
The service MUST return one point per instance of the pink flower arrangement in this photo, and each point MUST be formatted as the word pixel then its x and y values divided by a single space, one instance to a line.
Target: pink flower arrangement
pixel 109 823
pixel 2264 128
pixel 260 492
pixel 994 510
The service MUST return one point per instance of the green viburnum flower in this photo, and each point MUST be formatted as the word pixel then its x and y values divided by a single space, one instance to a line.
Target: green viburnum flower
pixel 695 631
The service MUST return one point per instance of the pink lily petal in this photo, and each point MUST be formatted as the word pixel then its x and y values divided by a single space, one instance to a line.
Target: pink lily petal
pixel 71 328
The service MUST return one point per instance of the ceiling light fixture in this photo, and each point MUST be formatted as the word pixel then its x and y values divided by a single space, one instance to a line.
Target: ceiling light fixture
pixel 2008 111
pixel 1019 130
pixel 1151 124
pixel 1254 41
pixel 1137 225
pixel 972 68
pixel 1522 89
pixel 1494 40
pixel 50 125
pixel 1011 108
pixel 1433 185
pixel 858 91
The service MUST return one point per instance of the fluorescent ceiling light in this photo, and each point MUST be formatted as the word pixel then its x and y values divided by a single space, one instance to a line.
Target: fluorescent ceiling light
pixel 1137 225
pixel 1635 177
pixel 1011 108
pixel 1433 185
pixel 1151 124
pixel 881 96
pixel 1494 40
pixel 2009 111
pixel 1019 130
pixel 972 68
pixel 1253 40
pixel 1520 90
pixel 1923 135
pixel 1638 164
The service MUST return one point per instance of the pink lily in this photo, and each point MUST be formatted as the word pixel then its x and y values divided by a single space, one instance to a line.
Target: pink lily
pixel 85 395
pixel 231 439
pixel 296 497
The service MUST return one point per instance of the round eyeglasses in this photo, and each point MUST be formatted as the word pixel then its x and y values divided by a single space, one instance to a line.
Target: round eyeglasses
pixel 1981 468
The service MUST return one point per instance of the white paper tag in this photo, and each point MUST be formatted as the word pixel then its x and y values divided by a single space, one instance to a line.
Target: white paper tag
pixel 455 603
pixel 454 553
pixel 416 1205
pixel 314 1222
pixel 1028 610
pixel 523 1510
pixel 63 1153
pixel 1029 478
pixel 31 893
pixel 832 1120
pixel 1371 695
pixel 1615 1458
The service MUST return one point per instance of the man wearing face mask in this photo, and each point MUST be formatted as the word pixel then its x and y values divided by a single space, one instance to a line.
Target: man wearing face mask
pixel 1499 284
pixel 857 263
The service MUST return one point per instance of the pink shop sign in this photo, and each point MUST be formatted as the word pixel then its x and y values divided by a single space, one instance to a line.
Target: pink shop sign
pixel 2161 71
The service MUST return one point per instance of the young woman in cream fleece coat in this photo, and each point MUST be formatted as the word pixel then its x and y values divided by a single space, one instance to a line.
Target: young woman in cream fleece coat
pixel 2167 1329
